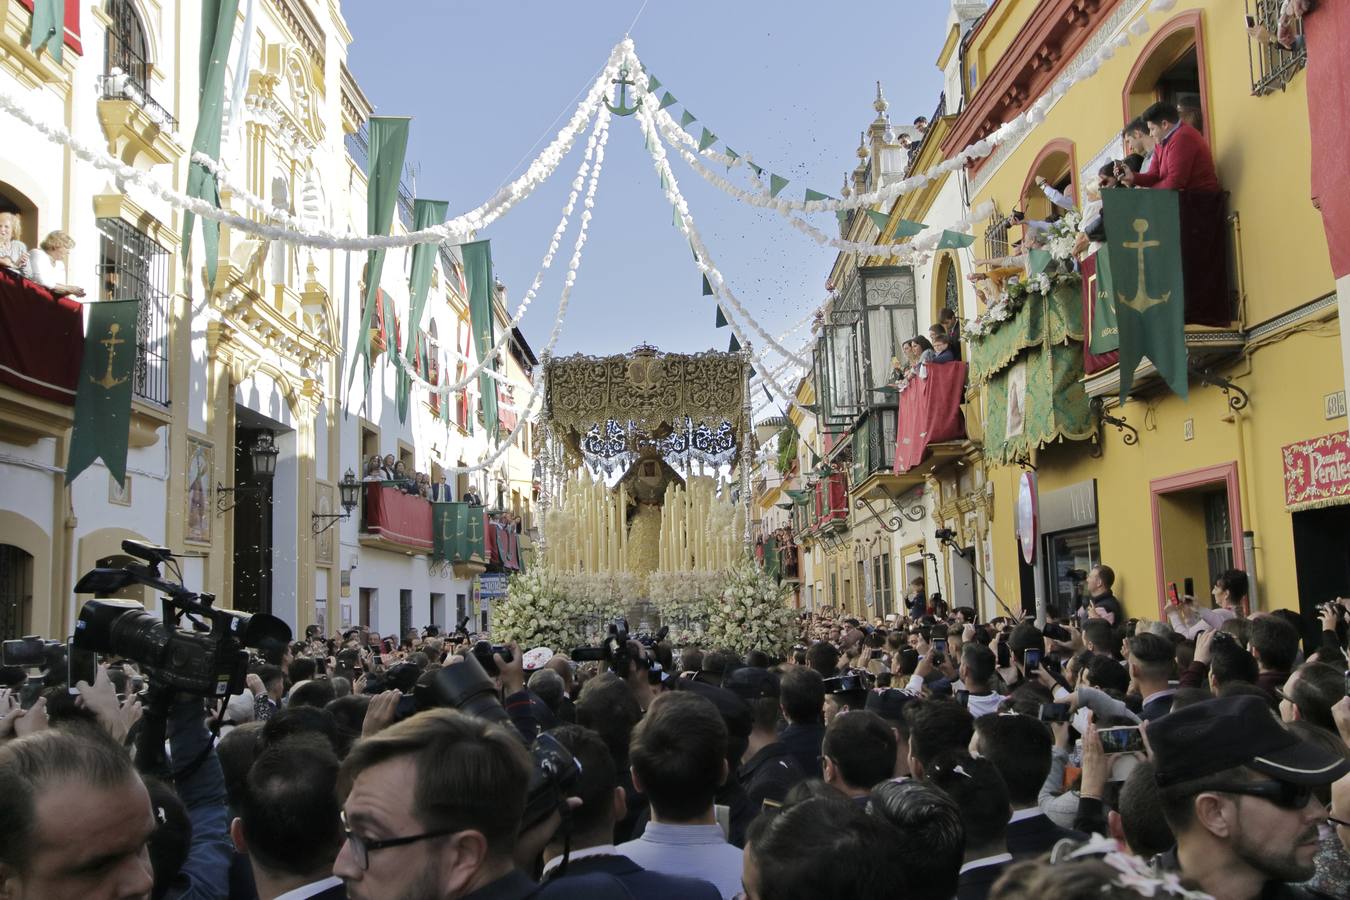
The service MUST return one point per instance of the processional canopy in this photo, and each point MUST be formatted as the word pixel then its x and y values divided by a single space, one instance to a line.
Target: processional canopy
pixel 607 410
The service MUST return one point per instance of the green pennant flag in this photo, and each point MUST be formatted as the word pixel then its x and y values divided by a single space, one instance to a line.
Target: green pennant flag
pixel 686 118
pixel 652 84
pixel 426 213
pixel 907 228
pixel 759 171
pixel 816 195
pixel 706 140
pixel 667 99
pixel 732 153
pixel 776 184
pixel 478 276
pixel 879 219
pixel 721 318
pixel 735 345
pixel 103 394
pixel 388 145
pixel 49 28
pixel 1104 331
pixel 1143 230
pixel 217 32
pixel 707 288
pixel 1037 261
pixel 675 215
pixel 955 240
pixel 841 216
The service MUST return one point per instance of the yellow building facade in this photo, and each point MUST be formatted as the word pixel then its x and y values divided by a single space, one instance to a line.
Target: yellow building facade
pixel 1208 470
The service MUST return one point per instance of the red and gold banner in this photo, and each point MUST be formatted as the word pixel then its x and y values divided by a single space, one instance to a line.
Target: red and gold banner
pixel 1317 472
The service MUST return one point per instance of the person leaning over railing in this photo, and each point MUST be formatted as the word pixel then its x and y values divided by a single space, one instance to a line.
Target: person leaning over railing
pixel 55 248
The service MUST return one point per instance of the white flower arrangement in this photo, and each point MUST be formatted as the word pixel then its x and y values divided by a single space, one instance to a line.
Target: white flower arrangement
pixel 538 612
pixel 752 614
pixel 681 597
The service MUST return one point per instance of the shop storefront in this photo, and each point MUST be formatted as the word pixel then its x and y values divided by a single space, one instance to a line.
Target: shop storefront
pixel 1070 544
pixel 1317 495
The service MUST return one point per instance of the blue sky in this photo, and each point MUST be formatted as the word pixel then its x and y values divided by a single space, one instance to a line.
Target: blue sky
pixel 790 82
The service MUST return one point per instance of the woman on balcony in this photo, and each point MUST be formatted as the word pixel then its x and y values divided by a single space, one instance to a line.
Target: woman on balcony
pixel 13 252
pixel 55 248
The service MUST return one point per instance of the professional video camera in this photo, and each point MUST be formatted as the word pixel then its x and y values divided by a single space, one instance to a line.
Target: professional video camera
pixel 612 650
pixel 26 665
pixel 466 686
pixel 205 657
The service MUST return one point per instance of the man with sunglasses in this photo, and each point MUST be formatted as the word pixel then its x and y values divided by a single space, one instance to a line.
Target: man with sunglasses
pixel 433 811
pixel 1237 790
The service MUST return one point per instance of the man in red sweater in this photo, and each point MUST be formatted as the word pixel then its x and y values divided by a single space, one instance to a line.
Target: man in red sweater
pixel 1181 160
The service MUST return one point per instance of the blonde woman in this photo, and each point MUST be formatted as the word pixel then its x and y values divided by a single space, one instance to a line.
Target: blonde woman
pixel 13 252
pixel 55 248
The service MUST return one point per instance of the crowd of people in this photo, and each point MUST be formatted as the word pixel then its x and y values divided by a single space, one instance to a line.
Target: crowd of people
pixel 921 755
pixel 394 472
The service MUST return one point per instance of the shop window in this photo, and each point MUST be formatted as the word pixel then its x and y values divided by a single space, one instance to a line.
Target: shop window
pixel 1272 66
pixel 16 592
pixel 1071 555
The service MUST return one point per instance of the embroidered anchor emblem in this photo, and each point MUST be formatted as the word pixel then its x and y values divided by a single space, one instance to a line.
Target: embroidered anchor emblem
pixel 111 341
pixel 1141 301
pixel 624 83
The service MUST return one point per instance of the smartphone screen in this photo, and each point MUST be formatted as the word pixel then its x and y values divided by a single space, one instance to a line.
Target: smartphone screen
pixel 1190 587
pixel 1251 23
pixel 1031 659
pixel 1124 739
pixel 1172 593
pixel 1004 655
pixel 81 665
pixel 940 645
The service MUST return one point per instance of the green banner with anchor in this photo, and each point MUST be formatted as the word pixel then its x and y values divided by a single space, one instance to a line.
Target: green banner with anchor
pixel 103 397
pixel 1143 230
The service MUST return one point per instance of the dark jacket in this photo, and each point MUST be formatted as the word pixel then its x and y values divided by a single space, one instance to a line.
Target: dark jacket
pixel 1112 605
pixel 639 881
pixel 802 743
pixel 516 886
pixel 976 883
pixel 1036 835
pixel 1157 708
pixel 769 774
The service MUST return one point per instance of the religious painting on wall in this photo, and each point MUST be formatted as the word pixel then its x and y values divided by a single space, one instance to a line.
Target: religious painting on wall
pixel 1017 398
pixel 197 524
pixel 323 505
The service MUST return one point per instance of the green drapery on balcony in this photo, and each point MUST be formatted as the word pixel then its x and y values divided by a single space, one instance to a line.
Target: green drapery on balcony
pixel 458 532
pixel 1041 321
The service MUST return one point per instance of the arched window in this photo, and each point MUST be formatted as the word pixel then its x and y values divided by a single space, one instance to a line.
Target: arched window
pixel 125 48
pixel 1172 68
pixel 16 592
pixel 1056 163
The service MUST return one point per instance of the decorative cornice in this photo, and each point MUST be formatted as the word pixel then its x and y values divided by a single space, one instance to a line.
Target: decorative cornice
pixel 306 29
pixel 356 108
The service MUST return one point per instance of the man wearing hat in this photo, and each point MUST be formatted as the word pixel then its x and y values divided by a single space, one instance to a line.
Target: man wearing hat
pixel 767 768
pixel 1237 790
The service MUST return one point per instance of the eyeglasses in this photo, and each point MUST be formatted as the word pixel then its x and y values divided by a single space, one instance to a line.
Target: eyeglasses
pixel 361 847
pixel 1281 793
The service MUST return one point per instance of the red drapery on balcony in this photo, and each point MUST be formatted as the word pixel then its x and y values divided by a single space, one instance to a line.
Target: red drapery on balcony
pixel 41 339
pixel 398 517
pixel 1327 31
pixel 930 412
pixel 504 546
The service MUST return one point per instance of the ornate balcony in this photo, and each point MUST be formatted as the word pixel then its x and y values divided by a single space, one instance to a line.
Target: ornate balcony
pixel 395 521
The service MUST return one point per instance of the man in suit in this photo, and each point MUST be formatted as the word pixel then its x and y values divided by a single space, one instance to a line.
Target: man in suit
pixel 767 770
pixel 942 349
pixel 440 491
pixel 471 497
pixel 592 840
pixel 292 782
pixel 802 699
pixel 1020 748
pixel 979 792
pixel 1181 160
pixel 1152 662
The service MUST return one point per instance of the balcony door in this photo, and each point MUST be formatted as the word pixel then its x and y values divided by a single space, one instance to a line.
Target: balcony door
pixel 252 528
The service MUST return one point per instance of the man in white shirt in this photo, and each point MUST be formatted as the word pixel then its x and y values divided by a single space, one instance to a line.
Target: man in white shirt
pixel 679 760
pixel 292 782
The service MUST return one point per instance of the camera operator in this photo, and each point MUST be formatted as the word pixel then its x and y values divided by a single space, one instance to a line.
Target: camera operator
pixel 433 808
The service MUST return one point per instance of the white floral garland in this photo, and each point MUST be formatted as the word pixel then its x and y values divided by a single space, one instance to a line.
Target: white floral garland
pixel 1059 244
pixel 752 614
pixel 1010 130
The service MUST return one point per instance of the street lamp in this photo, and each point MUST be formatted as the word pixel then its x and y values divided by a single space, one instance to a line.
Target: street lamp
pixel 349 490
pixel 263 460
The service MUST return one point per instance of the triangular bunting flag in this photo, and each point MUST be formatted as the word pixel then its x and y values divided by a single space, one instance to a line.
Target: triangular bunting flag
pixel 776 184
pixel 706 141
pixel 767 395
pixel 721 319
pixel 758 171
pixel 908 228
pixel 692 250
pixel 652 84
pixel 879 219
pixel 955 240
pixel 816 195
pixel 708 292
pixel 675 216
pixel 842 216
pixel 686 118
pixel 667 99
pixel 732 153
pixel 734 346
pixel 1037 261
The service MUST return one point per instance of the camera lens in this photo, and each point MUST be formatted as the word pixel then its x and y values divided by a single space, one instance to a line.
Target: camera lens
pixel 121 628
